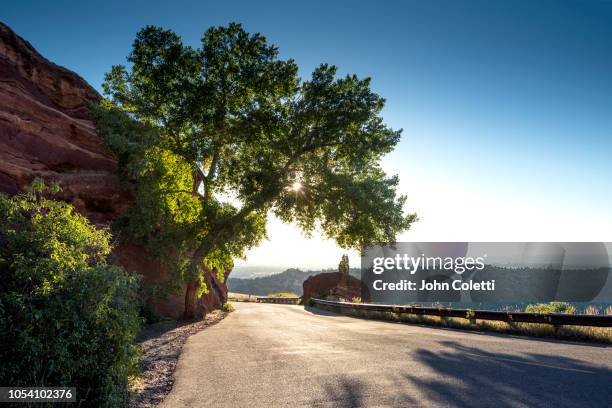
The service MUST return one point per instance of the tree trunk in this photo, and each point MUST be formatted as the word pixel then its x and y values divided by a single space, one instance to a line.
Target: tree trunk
pixel 192 309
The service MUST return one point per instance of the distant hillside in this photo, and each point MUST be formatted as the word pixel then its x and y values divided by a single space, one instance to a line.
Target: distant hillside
pixel 249 272
pixel 288 281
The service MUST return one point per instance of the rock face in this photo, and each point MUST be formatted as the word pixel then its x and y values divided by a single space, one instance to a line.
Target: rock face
pixel 214 297
pixel 45 132
pixel 333 285
pixel 217 291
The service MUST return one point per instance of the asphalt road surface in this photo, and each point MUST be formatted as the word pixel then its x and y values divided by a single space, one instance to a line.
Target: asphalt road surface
pixel 266 355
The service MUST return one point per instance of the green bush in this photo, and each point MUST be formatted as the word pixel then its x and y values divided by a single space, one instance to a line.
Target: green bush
pixel 552 307
pixel 67 318
pixel 228 307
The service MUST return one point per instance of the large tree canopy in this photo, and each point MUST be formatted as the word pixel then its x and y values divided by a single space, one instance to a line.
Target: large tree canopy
pixel 236 121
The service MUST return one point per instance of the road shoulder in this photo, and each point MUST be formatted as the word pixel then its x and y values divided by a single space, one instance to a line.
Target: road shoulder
pixel 162 344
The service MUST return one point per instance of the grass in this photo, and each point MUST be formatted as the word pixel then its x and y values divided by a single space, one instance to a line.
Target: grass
pixel 283 294
pixel 582 333
pixel 241 297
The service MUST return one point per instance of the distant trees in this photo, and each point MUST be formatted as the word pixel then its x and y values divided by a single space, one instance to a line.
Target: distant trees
pixel 343 266
pixel 231 119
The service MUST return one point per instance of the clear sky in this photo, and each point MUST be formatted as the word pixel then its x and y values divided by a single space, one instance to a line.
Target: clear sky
pixel 506 106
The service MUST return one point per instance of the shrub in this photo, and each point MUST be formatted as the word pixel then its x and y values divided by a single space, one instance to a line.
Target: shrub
pixel 552 307
pixel 228 307
pixel 67 318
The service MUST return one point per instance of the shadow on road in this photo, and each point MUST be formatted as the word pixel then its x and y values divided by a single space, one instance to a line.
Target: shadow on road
pixel 352 393
pixel 528 379
pixel 321 312
pixel 349 393
pixel 478 332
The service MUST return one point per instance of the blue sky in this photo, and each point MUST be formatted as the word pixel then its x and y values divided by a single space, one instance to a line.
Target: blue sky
pixel 506 106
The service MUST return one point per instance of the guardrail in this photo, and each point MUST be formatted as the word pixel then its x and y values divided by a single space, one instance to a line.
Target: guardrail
pixel 556 319
pixel 283 300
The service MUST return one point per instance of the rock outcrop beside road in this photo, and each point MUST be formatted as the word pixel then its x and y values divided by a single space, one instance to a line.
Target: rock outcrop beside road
pixel 45 132
pixel 333 285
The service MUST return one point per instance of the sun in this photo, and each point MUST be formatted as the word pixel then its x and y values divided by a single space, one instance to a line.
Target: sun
pixel 296 186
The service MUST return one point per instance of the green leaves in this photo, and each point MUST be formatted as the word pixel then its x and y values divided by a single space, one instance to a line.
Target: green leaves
pixel 43 241
pixel 232 119
pixel 66 317
pixel 343 266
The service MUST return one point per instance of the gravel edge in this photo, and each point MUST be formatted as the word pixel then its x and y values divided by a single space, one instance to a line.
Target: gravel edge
pixel 161 345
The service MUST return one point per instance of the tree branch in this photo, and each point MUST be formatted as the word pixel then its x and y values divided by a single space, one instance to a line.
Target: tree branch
pixel 208 178
pixel 258 202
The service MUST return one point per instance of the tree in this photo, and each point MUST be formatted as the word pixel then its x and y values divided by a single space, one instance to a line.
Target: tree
pixel 343 266
pixel 248 127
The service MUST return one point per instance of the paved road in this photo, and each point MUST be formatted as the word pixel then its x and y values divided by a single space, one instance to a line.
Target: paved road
pixel 265 355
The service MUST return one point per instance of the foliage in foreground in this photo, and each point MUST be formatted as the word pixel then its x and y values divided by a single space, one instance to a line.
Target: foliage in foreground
pixel 227 307
pixel 194 126
pixel 66 317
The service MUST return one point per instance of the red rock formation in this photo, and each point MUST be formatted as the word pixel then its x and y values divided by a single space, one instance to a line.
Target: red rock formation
pixel 135 258
pixel 45 132
pixel 334 285
pixel 217 292
pixel 171 304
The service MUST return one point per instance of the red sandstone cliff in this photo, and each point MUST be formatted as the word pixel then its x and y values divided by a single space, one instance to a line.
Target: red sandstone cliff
pixel 45 132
